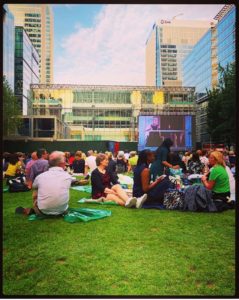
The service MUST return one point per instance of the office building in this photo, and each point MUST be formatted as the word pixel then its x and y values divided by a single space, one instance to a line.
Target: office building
pixel 201 66
pixel 104 112
pixel 26 68
pixel 169 42
pixel 37 20
pixel 8 46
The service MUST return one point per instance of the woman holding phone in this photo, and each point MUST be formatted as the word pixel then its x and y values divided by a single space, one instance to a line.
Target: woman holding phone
pixel 142 185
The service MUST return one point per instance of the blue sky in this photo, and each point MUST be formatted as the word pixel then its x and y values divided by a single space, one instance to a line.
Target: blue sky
pixel 67 17
pixel 105 44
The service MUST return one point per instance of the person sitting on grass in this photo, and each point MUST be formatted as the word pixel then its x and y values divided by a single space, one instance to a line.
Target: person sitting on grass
pixel 218 181
pixel 78 164
pixel 51 189
pixel 39 166
pixel 14 167
pixel 142 185
pixel 106 188
pixel 132 161
pixel 29 165
pixel 195 166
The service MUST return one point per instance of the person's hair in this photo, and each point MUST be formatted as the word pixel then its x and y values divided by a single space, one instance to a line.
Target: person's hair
pixel 195 156
pixel 90 152
pixel 199 152
pixel 167 143
pixel 34 154
pixel 204 152
pixel 173 158
pixel 132 153
pixel 67 154
pixel 120 154
pixel 7 156
pixel 13 159
pixel 40 152
pixel 99 158
pixel 218 156
pixel 55 158
pixel 143 157
pixel 225 152
pixel 20 154
pixel 109 154
pixel 78 153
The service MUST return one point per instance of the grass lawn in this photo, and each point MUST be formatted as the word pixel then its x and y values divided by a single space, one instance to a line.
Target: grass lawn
pixel 133 252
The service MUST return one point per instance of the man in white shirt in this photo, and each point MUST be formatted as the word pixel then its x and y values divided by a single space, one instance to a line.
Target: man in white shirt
pixel 52 188
pixel 90 161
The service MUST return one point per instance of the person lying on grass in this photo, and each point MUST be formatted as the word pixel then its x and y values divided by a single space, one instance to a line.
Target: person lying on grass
pixel 106 187
pixel 51 189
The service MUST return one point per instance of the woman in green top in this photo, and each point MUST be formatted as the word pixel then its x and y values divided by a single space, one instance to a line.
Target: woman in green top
pixel 218 179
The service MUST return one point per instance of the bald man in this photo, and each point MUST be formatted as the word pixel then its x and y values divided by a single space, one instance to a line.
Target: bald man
pixel 51 194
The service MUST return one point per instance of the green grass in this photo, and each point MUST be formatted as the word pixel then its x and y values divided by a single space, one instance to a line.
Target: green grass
pixel 133 252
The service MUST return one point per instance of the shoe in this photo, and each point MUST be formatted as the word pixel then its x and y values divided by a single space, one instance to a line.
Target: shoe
pixel 141 200
pixel 20 210
pixel 131 202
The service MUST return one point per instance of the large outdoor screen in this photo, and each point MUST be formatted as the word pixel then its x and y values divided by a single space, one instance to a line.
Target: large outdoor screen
pixel 154 129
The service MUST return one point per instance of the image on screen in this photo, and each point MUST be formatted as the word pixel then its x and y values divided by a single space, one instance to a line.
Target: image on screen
pixel 154 129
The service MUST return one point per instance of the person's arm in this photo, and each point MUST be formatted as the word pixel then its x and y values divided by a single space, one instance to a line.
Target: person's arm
pixel 96 181
pixel 145 179
pixel 209 184
pixel 34 185
pixel 166 164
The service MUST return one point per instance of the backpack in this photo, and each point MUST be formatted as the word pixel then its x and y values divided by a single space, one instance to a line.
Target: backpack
pixel 17 185
pixel 173 199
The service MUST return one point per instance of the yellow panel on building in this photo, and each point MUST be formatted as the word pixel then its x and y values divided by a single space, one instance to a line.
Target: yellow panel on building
pixel 158 98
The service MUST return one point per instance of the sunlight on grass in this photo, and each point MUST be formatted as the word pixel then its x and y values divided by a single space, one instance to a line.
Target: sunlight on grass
pixel 133 252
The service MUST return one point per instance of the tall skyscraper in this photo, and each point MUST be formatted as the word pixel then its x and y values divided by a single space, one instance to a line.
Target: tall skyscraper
pixel 26 68
pixel 8 46
pixel 37 20
pixel 168 44
pixel 201 65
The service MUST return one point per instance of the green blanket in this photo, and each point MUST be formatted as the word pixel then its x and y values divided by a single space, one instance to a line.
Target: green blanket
pixel 77 215
pixel 82 188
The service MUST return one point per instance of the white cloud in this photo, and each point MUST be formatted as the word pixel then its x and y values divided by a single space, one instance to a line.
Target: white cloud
pixel 112 51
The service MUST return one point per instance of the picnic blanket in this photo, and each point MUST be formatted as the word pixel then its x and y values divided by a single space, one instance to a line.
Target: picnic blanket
pixel 85 188
pixel 94 201
pixel 77 215
pixel 125 180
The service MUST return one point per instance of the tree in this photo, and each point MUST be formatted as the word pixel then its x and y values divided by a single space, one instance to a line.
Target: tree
pixel 221 109
pixel 11 110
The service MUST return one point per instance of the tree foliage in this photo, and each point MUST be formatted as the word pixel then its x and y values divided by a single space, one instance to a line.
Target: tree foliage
pixel 11 110
pixel 221 109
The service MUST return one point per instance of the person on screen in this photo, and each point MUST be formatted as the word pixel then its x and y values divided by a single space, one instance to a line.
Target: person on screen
pixel 154 139
pixel 161 159
pixel 154 126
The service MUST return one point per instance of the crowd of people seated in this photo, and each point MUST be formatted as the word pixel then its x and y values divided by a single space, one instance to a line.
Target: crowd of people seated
pixel 50 175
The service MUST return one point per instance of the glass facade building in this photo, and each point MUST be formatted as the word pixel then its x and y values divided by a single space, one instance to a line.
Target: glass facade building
pixel 197 67
pixel 37 20
pixel 111 112
pixel 201 66
pixel 168 44
pixel 8 45
pixel 226 33
pixel 26 68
